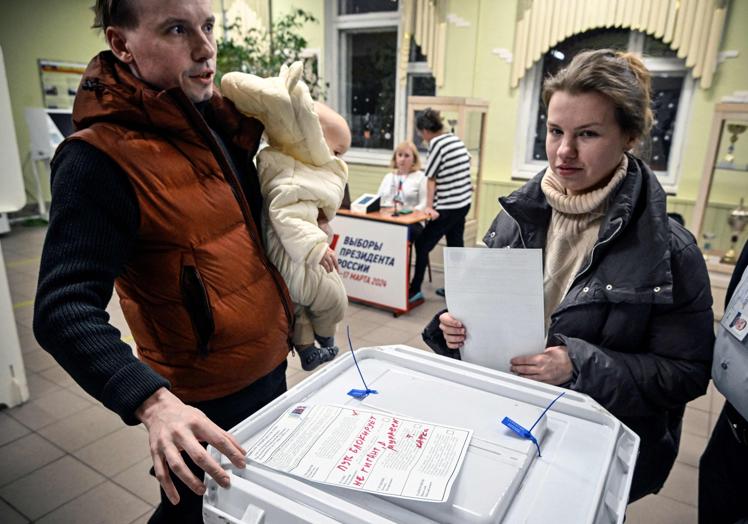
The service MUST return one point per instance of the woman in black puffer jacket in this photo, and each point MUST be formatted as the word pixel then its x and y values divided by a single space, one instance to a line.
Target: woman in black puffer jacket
pixel 627 295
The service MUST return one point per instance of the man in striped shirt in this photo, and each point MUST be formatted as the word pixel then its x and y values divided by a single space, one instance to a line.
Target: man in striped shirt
pixel 449 193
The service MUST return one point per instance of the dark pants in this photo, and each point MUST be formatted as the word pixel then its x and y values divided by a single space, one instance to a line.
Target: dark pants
pixel 226 412
pixel 451 222
pixel 723 476
pixel 414 232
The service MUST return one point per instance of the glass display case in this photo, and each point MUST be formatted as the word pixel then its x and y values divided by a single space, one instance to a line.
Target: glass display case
pixel 720 216
pixel 717 222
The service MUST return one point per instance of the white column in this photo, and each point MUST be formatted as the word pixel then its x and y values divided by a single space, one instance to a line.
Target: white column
pixel 13 387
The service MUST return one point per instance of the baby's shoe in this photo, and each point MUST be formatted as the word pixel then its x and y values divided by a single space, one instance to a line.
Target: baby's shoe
pixel 325 342
pixel 312 356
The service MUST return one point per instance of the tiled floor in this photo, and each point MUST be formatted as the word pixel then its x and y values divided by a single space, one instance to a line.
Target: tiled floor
pixel 64 458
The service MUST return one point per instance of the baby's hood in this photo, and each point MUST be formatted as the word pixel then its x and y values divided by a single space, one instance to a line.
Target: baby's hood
pixel 285 107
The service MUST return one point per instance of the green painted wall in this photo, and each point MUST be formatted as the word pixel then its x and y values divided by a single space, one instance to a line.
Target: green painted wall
pixel 486 76
pixel 33 29
pixel 473 70
pixel 732 75
pixel 314 32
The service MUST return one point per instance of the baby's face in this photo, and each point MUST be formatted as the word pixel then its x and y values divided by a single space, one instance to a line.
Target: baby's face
pixel 335 129
pixel 338 140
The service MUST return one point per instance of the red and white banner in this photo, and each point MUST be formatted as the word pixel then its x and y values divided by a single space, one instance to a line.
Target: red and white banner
pixel 373 257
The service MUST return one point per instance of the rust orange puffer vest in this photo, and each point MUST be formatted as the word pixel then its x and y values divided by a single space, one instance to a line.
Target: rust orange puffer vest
pixel 206 308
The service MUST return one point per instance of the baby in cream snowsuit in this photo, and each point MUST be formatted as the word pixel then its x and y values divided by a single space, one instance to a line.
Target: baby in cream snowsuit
pixel 302 182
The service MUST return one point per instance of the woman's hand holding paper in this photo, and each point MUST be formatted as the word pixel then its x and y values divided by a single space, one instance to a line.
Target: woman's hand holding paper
pixel 454 331
pixel 552 366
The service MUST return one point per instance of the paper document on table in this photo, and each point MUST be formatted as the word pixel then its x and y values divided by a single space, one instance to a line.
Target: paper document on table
pixel 364 450
pixel 498 296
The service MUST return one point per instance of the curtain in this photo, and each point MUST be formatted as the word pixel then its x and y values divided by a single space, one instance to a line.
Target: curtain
pixel 693 28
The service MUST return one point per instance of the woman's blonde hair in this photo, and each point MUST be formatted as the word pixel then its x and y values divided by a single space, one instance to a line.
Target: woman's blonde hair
pixel 413 151
pixel 619 76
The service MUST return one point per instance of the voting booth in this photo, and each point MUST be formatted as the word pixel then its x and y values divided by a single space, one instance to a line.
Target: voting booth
pixel 471 469
pixel 47 129
pixel 13 386
pixel 12 191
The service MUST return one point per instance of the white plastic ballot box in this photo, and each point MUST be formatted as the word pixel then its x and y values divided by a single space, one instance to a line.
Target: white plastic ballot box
pixel 582 476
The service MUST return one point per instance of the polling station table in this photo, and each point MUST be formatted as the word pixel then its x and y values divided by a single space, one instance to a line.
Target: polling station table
pixel 373 253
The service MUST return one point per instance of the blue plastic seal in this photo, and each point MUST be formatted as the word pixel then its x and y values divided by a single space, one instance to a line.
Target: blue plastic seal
pixel 527 433
pixel 362 393
pixel 522 432
pixel 358 393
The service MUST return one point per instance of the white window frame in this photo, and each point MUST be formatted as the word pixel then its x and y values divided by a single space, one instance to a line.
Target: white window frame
pixel 335 71
pixel 524 168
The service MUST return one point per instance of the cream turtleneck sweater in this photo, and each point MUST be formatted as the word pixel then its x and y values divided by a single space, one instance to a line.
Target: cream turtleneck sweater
pixel 575 224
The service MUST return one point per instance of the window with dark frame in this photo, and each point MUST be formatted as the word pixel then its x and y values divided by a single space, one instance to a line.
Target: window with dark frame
pixel 357 7
pixel 371 84
pixel 370 95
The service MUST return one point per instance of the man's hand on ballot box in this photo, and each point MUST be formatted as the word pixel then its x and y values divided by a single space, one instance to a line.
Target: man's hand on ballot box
pixel 174 427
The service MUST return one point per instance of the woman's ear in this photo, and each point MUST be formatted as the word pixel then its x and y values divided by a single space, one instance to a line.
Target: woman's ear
pixel 631 143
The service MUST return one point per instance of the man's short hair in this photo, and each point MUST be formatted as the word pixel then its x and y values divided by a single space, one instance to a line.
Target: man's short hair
pixel 120 13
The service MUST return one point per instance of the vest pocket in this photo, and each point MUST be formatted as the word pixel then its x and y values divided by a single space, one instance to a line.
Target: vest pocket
pixel 195 298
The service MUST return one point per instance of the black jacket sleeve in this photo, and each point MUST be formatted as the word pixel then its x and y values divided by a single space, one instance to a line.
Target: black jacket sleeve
pixel 674 366
pixel 93 225
pixel 434 338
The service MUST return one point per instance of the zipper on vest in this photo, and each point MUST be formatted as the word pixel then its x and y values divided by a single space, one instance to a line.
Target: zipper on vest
pixel 233 180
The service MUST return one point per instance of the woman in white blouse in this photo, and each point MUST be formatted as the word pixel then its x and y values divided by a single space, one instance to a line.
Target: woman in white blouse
pixel 406 184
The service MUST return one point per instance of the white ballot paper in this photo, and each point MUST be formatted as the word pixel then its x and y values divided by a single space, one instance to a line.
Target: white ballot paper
pixel 364 450
pixel 497 294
